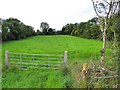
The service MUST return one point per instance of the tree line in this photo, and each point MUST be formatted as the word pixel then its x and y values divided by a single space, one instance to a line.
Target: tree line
pixel 14 29
pixel 91 29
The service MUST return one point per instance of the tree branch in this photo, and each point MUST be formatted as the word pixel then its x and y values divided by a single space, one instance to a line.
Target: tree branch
pixel 106 2
pixel 95 8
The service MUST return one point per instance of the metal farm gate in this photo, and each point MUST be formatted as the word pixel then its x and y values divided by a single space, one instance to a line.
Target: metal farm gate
pixel 26 60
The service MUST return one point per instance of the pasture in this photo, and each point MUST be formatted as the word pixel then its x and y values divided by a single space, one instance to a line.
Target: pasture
pixel 79 50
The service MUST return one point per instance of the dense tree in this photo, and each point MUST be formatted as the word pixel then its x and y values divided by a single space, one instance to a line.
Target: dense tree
pixel 51 31
pixel 38 32
pixel 63 30
pixel 68 28
pixel 44 26
pixel 14 29
pixel 89 29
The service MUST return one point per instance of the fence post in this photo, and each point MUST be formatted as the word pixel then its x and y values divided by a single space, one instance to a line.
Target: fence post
pixel 6 58
pixel 84 70
pixel 65 57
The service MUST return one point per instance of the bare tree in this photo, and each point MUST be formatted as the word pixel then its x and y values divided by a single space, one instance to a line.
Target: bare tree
pixel 105 10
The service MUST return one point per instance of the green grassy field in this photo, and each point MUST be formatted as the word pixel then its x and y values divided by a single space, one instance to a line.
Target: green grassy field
pixel 79 49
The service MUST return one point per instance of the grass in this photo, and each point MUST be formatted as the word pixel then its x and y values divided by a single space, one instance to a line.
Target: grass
pixel 32 79
pixel 79 50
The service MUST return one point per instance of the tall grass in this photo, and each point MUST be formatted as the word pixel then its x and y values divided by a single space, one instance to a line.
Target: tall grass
pixel 15 78
pixel 79 51
pixel 78 48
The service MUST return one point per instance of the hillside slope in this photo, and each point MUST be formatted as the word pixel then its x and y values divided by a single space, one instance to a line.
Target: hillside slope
pixel 78 48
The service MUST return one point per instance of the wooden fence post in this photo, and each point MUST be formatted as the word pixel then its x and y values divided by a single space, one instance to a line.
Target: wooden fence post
pixel 65 57
pixel 84 70
pixel 6 58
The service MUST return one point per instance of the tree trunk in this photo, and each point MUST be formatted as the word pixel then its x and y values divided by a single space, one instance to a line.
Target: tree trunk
pixel 102 51
pixel 119 7
pixel 104 36
pixel 115 40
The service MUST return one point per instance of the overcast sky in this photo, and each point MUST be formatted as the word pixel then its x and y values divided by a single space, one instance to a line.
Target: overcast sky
pixel 56 13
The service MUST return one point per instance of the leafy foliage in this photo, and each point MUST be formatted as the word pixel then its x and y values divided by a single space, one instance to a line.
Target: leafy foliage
pixel 14 29
pixel 91 29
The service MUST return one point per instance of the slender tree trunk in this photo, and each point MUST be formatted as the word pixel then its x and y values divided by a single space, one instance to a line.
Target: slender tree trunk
pixel 115 40
pixel 118 50
pixel 119 8
pixel 102 51
pixel 104 36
